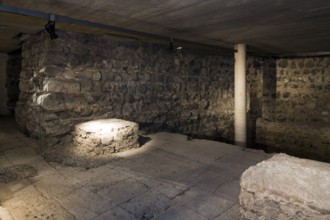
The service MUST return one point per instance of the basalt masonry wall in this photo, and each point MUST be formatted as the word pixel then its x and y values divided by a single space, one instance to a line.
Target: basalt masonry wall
pixel 303 90
pixel 302 109
pixel 261 93
pixel 79 77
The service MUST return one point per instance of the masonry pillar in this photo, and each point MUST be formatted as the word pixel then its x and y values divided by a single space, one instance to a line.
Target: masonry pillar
pixel 240 95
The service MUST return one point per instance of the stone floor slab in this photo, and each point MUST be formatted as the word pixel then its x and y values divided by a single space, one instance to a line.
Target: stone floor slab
pixel 4 162
pixel 55 185
pixel 209 205
pixel 231 214
pixel 147 205
pixel 85 204
pixel 180 213
pixel 116 213
pixel 29 203
pixel 169 177
pixel 22 155
pixel 229 190
pixel 120 192
pixel 168 188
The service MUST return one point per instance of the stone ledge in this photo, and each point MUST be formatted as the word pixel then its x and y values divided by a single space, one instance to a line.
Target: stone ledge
pixel 285 187
pixel 303 140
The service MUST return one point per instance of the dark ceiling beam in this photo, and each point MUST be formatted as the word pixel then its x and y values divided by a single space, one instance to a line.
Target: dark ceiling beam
pixel 114 30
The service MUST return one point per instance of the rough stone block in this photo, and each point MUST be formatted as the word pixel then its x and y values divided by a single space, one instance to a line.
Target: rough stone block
pixel 285 187
pixel 50 71
pixel 53 58
pixel 55 128
pixel 51 102
pixel 106 136
pixel 86 86
pixel 25 85
pixel 62 86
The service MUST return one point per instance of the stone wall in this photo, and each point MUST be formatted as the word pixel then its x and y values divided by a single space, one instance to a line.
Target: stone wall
pixel 261 92
pixel 79 77
pixel 303 90
pixel 300 122
pixel 303 140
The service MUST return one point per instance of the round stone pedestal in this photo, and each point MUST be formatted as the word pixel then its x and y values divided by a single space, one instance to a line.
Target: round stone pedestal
pixel 106 136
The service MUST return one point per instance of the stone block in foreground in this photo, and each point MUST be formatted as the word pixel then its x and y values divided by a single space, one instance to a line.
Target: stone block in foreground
pixel 286 187
pixel 105 136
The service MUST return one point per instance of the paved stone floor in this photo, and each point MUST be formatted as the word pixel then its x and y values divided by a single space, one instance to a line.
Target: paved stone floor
pixel 169 177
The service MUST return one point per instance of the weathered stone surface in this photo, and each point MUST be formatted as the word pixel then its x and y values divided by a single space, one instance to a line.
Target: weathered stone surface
pixel 303 140
pixel 94 77
pixel 302 91
pixel 296 119
pixel 16 172
pixel 4 214
pixel 190 93
pixel 86 86
pixel 169 176
pixel 53 58
pixel 261 88
pixel 25 86
pixel 51 71
pixel 51 102
pixel 285 187
pixel 105 136
pixel 61 86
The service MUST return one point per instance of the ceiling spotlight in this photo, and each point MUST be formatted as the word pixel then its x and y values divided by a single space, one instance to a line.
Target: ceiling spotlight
pixel 50 27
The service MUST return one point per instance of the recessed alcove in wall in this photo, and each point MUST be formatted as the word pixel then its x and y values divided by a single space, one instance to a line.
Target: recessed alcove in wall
pixel 13 70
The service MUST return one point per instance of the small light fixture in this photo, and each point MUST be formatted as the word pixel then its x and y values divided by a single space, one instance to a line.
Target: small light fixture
pixel 50 27
pixel 172 48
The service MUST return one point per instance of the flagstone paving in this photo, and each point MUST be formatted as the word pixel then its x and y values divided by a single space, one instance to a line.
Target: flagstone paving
pixel 169 177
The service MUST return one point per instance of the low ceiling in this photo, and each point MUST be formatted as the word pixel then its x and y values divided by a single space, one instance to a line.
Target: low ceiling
pixel 271 26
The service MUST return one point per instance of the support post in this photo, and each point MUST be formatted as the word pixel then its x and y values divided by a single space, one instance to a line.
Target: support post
pixel 240 95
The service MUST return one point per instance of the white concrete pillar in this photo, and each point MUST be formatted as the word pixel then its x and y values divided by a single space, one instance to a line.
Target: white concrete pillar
pixel 240 95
